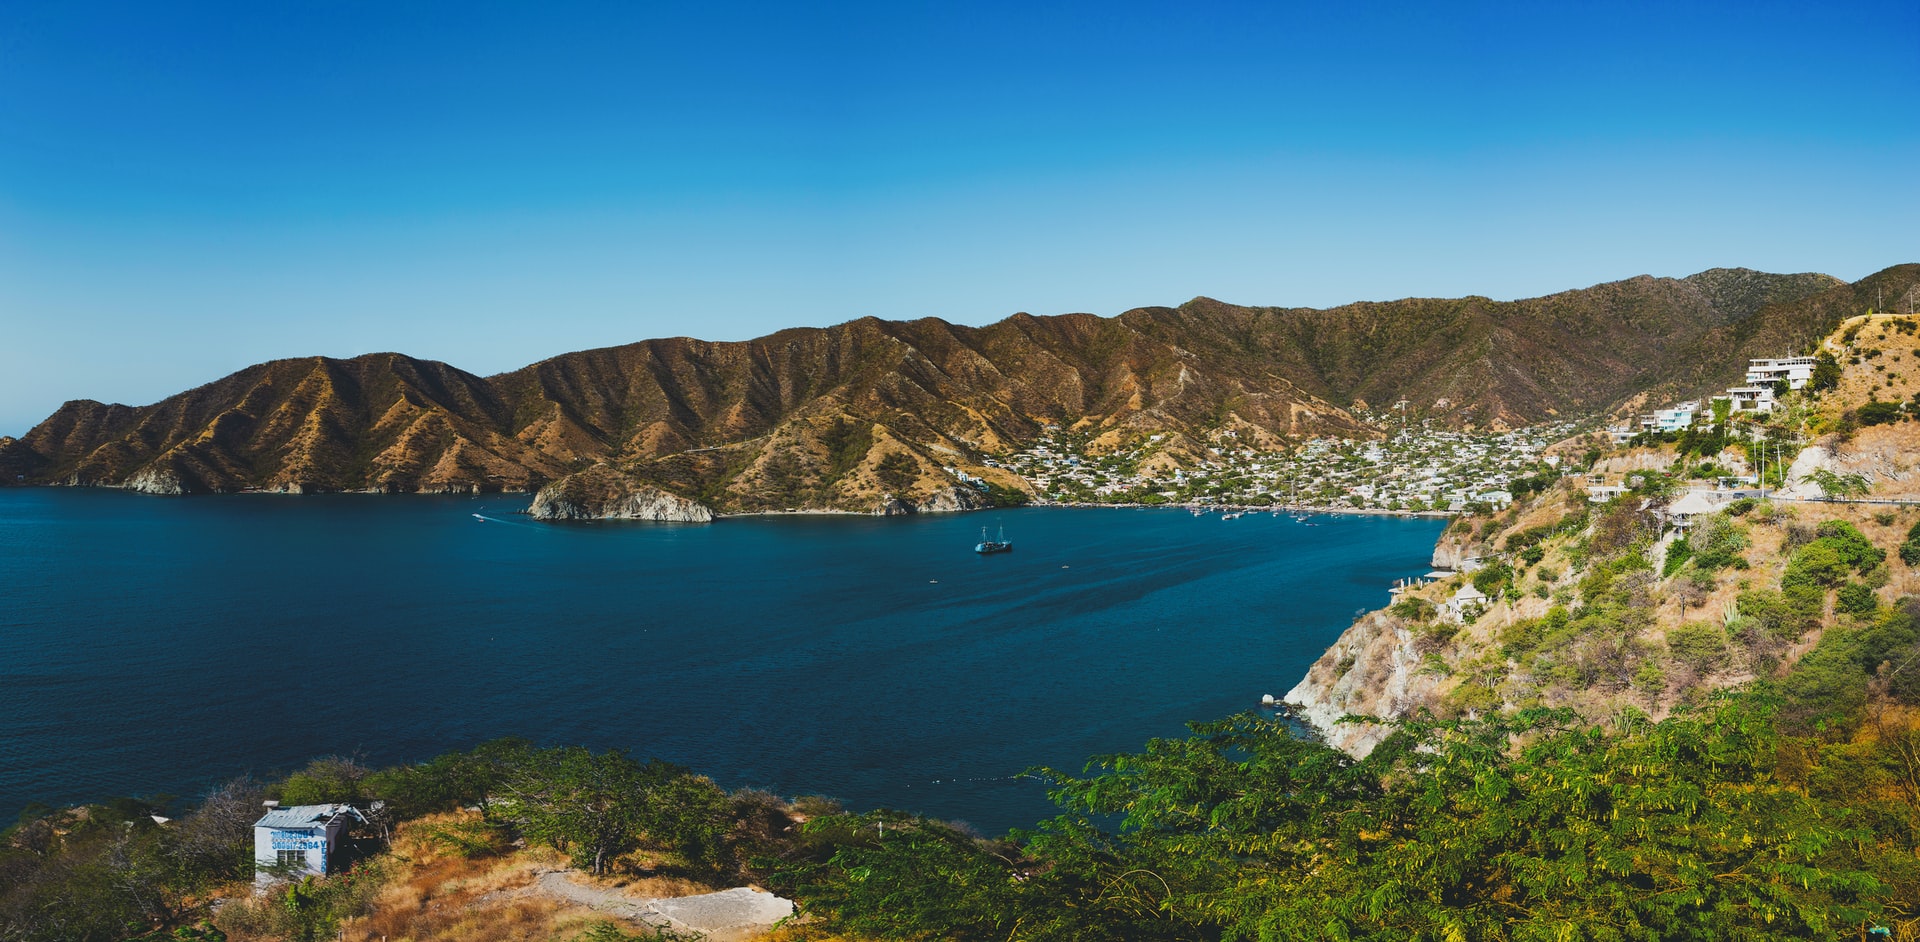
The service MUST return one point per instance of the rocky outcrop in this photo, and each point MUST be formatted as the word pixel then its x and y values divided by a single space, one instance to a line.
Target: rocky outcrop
pixel 944 501
pixel 1457 552
pixel 1371 670
pixel 1887 456
pixel 156 481
pixel 603 493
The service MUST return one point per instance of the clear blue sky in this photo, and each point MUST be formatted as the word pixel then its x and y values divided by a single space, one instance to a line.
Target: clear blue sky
pixel 188 188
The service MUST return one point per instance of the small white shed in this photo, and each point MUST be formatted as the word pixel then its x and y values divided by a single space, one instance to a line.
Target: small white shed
pixel 301 839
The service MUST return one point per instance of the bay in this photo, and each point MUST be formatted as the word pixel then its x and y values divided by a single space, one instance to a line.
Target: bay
pixel 161 645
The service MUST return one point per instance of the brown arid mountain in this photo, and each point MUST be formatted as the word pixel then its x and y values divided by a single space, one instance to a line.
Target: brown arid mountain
pixel 871 415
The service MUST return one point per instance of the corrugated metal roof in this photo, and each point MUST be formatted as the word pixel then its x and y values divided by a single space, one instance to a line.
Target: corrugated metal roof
pixel 304 816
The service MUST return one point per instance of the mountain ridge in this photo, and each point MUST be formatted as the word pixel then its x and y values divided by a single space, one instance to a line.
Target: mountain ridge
pixel 807 416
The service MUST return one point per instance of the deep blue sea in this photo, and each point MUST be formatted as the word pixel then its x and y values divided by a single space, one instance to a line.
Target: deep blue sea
pixel 160 645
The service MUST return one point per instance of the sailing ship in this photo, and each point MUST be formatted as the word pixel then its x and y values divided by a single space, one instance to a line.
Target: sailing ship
pixel 1001 545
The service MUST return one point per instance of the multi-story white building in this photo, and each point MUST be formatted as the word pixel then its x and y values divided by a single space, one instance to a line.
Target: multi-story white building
pixel 1676 419
pixel 1797 371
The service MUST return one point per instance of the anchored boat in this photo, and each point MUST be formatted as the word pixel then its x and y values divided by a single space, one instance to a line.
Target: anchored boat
pixel 1001 545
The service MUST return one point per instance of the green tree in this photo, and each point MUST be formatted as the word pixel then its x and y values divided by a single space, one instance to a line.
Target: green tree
pixel 589 806
pixel 1842 486
pixel 1826 373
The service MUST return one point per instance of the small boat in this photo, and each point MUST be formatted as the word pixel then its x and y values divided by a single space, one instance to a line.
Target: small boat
pixel 479 518
pixel 1233 516
pixel 1001 545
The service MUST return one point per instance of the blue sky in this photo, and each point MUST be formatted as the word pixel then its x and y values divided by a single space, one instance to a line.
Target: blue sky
pixel 189 188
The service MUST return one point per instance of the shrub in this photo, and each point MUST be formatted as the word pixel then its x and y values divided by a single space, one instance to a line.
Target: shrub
pixel 1699 645
pixel 1854 547
pixel 1781 615
pixel 1815 564
pixel 1879 413
pixel 1677 555
pixel 1857 599
pixel 1490 579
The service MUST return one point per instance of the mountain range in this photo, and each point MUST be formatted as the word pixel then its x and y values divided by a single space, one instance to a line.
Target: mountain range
pixel 872 413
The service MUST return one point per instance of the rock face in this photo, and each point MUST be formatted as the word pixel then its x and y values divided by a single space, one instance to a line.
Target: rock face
pixel 944 501
pixel 1371 670
pixel 156 481
pixel 1456 552
pixel 605 494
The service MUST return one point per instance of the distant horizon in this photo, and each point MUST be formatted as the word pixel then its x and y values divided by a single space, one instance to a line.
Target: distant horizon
pixel 203 380
pixel 191 188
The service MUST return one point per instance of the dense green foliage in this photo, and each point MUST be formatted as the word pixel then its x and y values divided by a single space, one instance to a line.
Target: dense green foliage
pixel 111 871
pixel 1674 830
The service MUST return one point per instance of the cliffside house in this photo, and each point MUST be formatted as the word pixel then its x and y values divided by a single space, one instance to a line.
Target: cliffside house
pixel 301 840
pixel 1681 512
pixel 1764 376
pixel 1675 419
pixel 1797 371
pixel 1468 600
pixel 1755 399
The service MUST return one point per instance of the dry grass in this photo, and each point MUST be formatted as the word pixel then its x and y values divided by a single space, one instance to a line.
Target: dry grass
pixel 437 894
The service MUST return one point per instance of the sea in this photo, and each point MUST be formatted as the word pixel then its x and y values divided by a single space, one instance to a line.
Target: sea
pixel 159 646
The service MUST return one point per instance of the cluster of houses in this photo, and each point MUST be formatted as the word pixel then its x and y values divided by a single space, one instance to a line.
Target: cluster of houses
pixel 1420 468
pixel 1758 396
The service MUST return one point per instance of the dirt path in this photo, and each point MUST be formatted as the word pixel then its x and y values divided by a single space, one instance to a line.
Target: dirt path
pixel 727 916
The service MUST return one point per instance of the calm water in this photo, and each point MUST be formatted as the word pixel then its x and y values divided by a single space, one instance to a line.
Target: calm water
pixel 159 645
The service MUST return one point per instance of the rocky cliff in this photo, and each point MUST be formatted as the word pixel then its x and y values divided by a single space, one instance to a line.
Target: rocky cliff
pixel 605 494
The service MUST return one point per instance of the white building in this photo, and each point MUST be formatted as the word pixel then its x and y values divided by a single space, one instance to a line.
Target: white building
pixel 1676 419
pixel 1797 371
pixel 1601 493
pixel 1752 399
pixel 1465 602
pixel 302 839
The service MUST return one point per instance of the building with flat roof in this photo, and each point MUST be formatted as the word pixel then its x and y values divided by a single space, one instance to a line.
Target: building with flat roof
pixel 1796 371
pixel 301 840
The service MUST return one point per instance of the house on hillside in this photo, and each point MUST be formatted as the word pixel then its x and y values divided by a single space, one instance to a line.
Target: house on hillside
pixel 1681 512
pixel 1600 493
pixel 300 841
pixel 1677 419
pixel 1758 400
pixel 1796 371
pixel 1466 603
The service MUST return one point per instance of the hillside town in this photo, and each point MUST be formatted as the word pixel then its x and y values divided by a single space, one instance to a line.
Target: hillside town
pixel 1423 468
pixel 1418 468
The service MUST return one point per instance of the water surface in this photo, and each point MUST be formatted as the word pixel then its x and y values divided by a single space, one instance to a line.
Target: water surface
pixel 154 645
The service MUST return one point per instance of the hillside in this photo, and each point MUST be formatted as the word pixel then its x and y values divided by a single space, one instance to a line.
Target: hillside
pixel 1652 599
pixel 849 416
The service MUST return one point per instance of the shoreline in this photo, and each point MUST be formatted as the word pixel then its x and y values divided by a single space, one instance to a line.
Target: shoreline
pixel 830 511
pixel 1255 508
